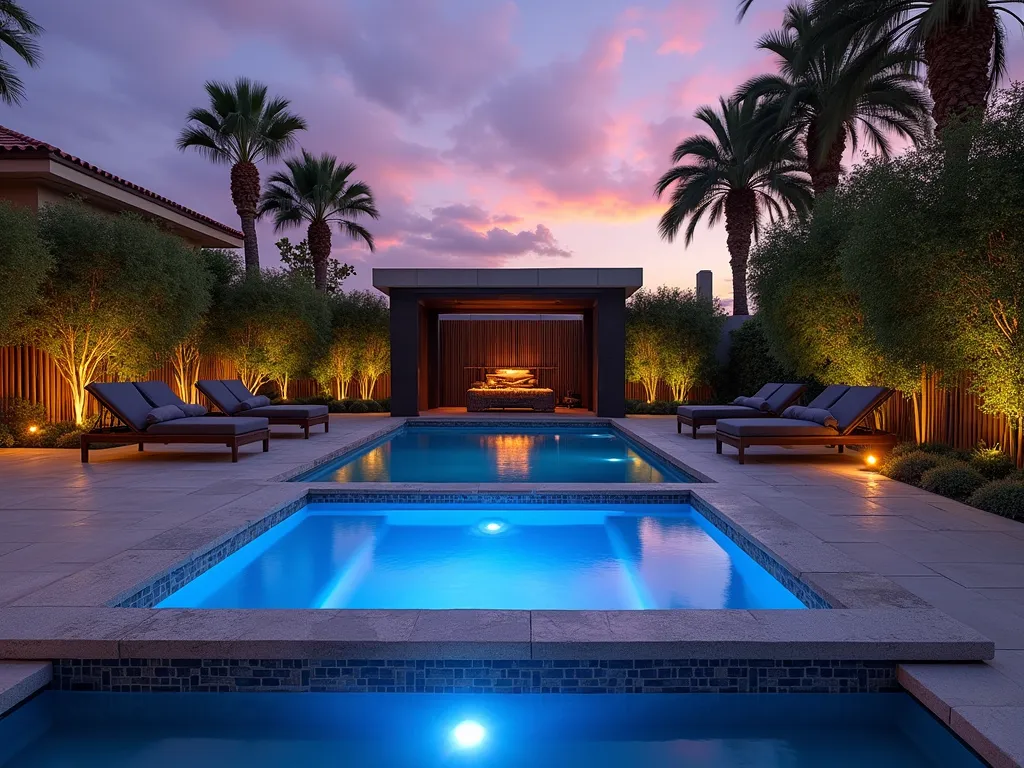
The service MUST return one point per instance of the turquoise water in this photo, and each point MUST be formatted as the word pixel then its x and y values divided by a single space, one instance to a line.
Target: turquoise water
pixel 598 557
pixel 166 730
pixel 501 455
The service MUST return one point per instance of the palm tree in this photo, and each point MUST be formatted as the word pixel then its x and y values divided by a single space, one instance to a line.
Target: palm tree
pixel 961 42
pixel 317 190
pixel 738 175
pixel 831 91
pixel 241 127
pixel 18 31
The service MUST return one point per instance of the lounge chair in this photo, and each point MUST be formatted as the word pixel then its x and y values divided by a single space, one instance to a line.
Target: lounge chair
pixel 839 424
pixel 130 406
pixel 233 398
pixel 769 400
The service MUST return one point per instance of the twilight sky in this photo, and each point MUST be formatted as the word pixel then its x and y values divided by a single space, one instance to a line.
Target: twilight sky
pixel 493 132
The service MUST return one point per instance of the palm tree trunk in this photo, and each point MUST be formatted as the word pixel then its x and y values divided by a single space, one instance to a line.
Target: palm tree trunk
pixel 959 58
pixel 319 237
pixel 825 172
pixel 740 210
pixel 245 193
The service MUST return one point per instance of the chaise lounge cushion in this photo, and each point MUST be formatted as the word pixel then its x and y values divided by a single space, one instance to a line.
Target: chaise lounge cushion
pixel 125 400
pixel 159 394
pixel 828 396
pixel 855 404
pixel 238 389
pixel 164 413
pixel 258 401
pixel 757 403
pixel 718 412
pixel 289 411
pixel 209 425
pixel 773 428
pixel 219 394
pixel 783 397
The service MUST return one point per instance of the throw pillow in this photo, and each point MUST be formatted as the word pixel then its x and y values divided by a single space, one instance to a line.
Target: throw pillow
pixel 164 413
pixel 193 409
pixel 254 402
pixel 817 415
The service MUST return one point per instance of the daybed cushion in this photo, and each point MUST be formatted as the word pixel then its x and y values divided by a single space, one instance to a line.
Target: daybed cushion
pixel 259 401
pixel 289 411
pixel 828 396
pixel 783 397
pixel 209 425
pixel 855 404
pixel 219 394
pixel 125 400
pixel 164 413
pixel 718 412
pixel 159 394
pixel 238 389
pixel 773 428
pixel 817 415
pixel 767 390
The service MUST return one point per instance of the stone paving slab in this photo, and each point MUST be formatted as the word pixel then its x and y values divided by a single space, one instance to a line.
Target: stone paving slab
pixel 20 679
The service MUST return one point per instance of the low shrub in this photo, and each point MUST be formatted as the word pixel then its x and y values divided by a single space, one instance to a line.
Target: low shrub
pixel 68 440
pixel 18 415
pixel 385 404
pixel 59 434
pixel 346 404
pixel 1000 497
pixel 358 406
pixel 953 479
pixel 657 408
pixel 336 406
pixel 908 467
pixel 992 462
pixel 6 438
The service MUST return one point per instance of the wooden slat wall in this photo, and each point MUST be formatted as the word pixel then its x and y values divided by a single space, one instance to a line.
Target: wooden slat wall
pixel 556 344
pixel 31 374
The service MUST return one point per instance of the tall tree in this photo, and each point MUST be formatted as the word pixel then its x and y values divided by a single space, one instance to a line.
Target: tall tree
pixel 737 175
pixel 18 32
pixel 831 90
pixel 320 192
pixel 242 126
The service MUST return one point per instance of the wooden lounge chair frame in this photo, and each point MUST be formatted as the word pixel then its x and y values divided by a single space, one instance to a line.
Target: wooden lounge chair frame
pixel 696 422
pixel 127 435
pixel 867 436
pixel 304 422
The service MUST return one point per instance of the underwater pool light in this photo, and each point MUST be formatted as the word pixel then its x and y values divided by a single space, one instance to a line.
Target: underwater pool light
pixel 468 734
pixel 493 526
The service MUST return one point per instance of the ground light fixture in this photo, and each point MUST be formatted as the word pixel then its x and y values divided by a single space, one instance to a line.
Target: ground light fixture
pixel 468 734
pixel 33 429
pixel 871 460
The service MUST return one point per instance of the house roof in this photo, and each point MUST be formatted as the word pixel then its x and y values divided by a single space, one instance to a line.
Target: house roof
pixel 14 144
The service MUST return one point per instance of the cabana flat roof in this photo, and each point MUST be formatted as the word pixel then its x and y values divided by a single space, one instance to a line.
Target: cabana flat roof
pixel 628 278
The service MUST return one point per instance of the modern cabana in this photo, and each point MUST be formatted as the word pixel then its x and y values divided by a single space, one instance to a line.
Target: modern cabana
pixel 420 297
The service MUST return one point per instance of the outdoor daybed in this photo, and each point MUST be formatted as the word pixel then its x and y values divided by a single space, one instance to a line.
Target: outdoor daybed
pixel 510 388
pixel 146 422
pixel 837 425
pixel 769 400
pixel 234 398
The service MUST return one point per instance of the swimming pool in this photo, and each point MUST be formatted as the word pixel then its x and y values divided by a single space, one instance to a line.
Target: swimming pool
pixel 527 557
pixel 166 730
pixel 487 454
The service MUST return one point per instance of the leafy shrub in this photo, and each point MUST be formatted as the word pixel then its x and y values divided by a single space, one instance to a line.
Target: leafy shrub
pixel 908 467
pixel 953 479
pixel 346 404
pixel 372 406
pixel 336 406
pixel 1000 497
pixel 68 440
pixel 358 406
pixel 6 438
pixel 992 462
pixel 18 415
pixel 385 404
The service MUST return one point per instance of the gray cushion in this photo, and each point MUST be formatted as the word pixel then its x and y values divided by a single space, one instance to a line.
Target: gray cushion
pixel 855 404
pixel 828 396
pixel 124 400
pixel 718 412
pixel 238 389
pixel 817 415
pixel 193 409
pixel 164 413
pixel 289 411
pixel 757 403
pixel 219 394
pixel 773 428
pixel 159 393
pixel 767 390
pixel 259 401
pixel 209 425
pixel 784 397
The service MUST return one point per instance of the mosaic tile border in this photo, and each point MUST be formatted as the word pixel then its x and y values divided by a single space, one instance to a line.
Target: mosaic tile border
pixel 487 676
pixel 161 586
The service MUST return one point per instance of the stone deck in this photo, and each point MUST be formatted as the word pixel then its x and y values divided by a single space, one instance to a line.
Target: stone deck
pixel 74 537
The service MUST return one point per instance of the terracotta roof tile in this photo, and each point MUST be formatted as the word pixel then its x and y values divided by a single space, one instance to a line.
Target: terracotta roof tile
pixel 13 142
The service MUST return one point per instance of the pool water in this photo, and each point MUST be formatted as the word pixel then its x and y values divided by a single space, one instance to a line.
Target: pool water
pixel 480 454
pixel 535 557
pixel 166 730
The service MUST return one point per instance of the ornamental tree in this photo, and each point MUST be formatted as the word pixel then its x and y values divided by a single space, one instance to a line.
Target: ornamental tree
pixel 122 293
pixel 24 262
pixel 371 319
pixel 273 327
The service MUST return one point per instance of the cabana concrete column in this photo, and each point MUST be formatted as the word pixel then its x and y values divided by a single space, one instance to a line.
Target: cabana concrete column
pixel 420 296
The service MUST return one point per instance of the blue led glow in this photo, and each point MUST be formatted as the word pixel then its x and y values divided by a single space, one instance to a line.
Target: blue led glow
pixel 468 734
pixel 493 527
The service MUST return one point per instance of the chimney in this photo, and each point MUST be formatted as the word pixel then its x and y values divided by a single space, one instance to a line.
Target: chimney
pixel 704 289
